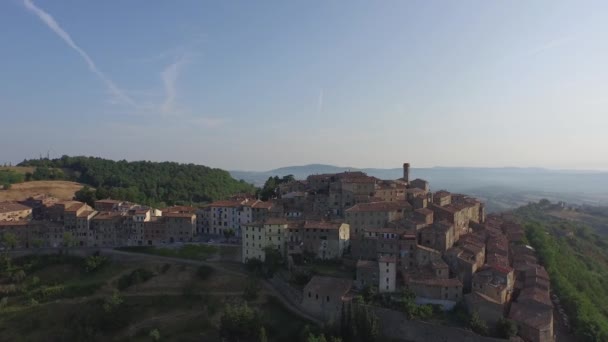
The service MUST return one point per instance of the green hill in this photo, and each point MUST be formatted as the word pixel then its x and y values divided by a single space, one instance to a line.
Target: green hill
pixel 153 183
pixel 577 261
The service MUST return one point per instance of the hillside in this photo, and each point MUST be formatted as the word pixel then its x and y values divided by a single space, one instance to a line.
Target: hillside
pixel 577 261
pixel 154 183
pixel 63 190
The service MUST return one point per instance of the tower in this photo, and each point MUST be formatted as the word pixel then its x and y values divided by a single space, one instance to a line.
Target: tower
pixel 406 172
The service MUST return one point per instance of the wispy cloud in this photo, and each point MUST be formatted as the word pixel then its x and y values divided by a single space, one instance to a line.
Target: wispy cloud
pixel 55 27
pixel 320 101
pixel 169 77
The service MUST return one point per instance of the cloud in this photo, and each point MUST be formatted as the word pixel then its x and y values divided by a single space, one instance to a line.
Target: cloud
pixel 320 102
pixel 169 77
pixel 55 27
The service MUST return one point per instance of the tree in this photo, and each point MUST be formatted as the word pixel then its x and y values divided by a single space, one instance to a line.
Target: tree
pixel 86 195
pixel 112 302
pixel 263 337
pixel 9 240
pixel 68 241
pixel 478 325
pixel 273 260
pixel 18 276
pixel 239 322
pixel 154 335
pixel 506 328
pixel 228 233
pixel 251 289
pixel 6 186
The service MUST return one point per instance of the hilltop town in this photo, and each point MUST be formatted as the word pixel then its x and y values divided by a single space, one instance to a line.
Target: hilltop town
pixel 394 236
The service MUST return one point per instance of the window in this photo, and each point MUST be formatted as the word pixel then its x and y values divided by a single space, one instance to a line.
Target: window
pixel 328 299
pixel 308 294
pixel 317 296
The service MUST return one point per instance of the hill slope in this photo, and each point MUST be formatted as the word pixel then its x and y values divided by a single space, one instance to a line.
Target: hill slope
pixel 577 262
pixel 147 182
pixel 63 190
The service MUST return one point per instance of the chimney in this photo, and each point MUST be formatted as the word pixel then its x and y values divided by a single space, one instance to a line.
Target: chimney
pixel 406 172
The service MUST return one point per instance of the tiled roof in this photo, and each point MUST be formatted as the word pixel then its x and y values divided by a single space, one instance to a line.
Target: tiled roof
pixel 379 206
pixel 437 282
pixel 531 315
pixel 322 225
pixel 336 287
pixel 7 207
pixel 225 204
pixel 179 215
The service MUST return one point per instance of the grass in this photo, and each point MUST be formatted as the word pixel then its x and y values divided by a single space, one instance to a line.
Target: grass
pixel 280 323
pixel 191 252
pixel 63 190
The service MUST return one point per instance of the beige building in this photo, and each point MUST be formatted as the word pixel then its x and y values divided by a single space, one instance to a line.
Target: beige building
pixel 180 226
pixel 323 296
pixel 259 235
pixel 326 240
pixel 106 229
pixel 374 215
pixel 436 290
pixel 13 211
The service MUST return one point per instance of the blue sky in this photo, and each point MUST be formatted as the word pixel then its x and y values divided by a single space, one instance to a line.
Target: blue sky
pixel 257 85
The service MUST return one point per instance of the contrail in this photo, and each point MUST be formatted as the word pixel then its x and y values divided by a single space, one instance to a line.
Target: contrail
pixel 169 77
pixel 54 26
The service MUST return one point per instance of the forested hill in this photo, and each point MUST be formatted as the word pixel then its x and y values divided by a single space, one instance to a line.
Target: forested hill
pixel 576 258
pixel 153 183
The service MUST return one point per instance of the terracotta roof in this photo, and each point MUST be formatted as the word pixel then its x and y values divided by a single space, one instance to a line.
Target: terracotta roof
pixel 108 201
pixel 379 206
pixel 7 207
pixel 225 204
pixel 275 220
pixel 442 193
pixel 179 215
pixel 322 225
pixel 424 211
pixel 387 258
pixel 437 282
pixel 86 213
pixel 336 287
pixel 366 264
pixel 531 315
pixel 104 215
pixel 74 207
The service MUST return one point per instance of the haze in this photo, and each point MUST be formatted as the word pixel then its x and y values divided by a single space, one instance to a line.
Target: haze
pixel 258 85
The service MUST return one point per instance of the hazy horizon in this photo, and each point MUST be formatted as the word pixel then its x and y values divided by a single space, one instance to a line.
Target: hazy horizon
pixel 257 86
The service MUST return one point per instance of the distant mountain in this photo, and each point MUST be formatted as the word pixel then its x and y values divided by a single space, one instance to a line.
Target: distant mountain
pixel 502 188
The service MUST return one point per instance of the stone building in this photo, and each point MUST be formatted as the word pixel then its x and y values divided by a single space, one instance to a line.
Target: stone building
pixel 13 211
pixel 387 266
pixel 374 215
pixel 323 296
pixel 323 239
pixel 260 235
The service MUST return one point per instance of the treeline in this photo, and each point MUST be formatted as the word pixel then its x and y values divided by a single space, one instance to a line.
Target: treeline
pixel 579 275
pixel 153 183
pixel 8 177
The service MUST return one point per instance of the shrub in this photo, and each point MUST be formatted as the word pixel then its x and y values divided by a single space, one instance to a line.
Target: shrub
pixel 138 276
pixel 204 272
pixel 94 263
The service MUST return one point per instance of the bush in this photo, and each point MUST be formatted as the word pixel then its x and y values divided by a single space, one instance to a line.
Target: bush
pixel 239 323
pixel 138 276
pixel 506 328
pixel 478 325
pixel 251 289
pixel 94 263
pixel 204 272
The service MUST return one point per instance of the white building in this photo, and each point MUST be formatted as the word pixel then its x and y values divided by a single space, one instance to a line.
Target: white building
pixel 387 274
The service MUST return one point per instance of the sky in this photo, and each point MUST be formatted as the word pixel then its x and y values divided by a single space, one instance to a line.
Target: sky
pixel 255 85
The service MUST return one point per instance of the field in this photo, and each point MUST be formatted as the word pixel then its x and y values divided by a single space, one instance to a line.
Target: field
pixel 63 190
pixel 19 169
pixel 114 302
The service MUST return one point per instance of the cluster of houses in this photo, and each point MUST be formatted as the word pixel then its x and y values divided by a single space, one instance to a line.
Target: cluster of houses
pixel 397 234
